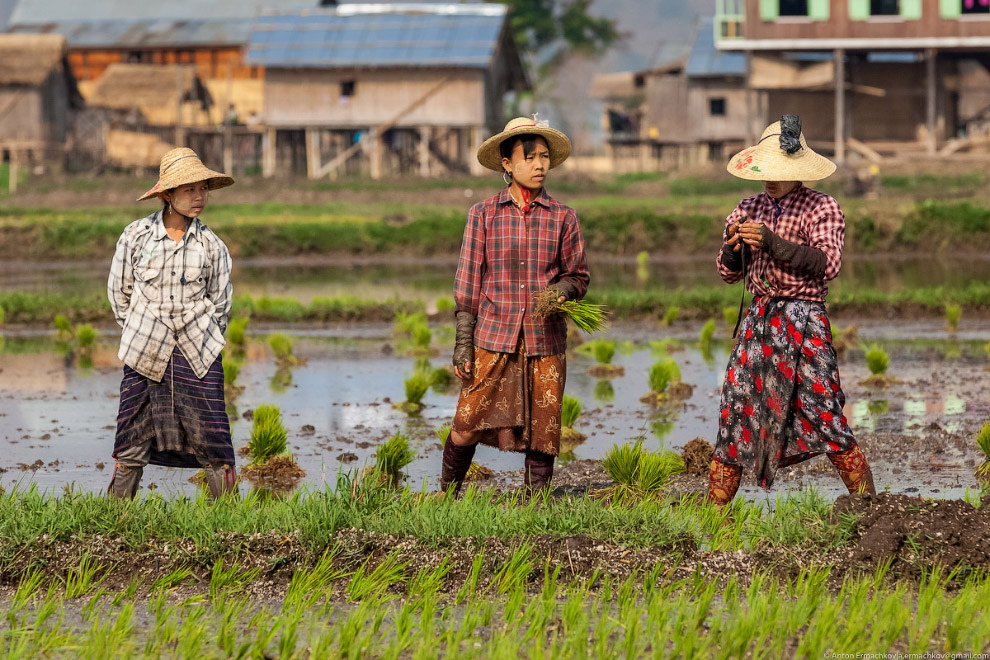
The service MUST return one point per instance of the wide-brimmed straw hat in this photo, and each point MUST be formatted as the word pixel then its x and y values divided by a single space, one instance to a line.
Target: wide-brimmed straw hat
pixel 768 160
pixel 490 155
pixel 181 167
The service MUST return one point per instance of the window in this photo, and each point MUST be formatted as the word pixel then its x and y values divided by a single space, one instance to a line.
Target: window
pixel 793 7
pixel 976 6
pixel 885 8
pixel 347 88
pixel 716 107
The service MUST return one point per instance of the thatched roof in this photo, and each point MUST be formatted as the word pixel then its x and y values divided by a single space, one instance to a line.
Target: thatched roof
pixel 27 59
pixel 148 85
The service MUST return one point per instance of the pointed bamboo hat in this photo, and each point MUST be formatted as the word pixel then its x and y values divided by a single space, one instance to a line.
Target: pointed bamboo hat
pixel 182 166
pixel 782 154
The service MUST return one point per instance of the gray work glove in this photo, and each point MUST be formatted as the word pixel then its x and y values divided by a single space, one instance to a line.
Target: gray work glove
pixel 732 259
pixel 464 339
pixel 566 288
pixel 804 259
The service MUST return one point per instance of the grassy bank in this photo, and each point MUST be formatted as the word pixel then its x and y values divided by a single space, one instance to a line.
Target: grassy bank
pixel 396 576
pixel 611 224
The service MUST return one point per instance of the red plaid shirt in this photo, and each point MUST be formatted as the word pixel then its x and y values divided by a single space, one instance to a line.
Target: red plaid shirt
pixel 506 257
pixel 802 216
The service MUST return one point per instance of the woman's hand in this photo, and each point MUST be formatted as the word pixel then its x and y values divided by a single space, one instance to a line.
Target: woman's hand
pixel 753 234
pixel 733 239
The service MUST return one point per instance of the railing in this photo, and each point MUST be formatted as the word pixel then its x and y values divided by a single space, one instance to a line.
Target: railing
pixel 730 15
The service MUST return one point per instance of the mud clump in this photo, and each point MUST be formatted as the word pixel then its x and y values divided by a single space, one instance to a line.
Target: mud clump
pixel 916 533
pixel 277 473
pixel 697 456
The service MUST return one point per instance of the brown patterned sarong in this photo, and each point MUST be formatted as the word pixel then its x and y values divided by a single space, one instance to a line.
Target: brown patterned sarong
pixel 514 401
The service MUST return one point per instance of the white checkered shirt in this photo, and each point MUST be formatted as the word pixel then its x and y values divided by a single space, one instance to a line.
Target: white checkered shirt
pixel 165 294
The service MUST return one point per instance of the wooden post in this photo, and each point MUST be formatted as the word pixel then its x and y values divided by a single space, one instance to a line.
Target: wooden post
pixel 313 153
pixel 931 56
pixel 268 159
pixel 376 154
pixel 477 137
pixel 424 151
pixel 228 135
pixel 12 184
pixel 840 105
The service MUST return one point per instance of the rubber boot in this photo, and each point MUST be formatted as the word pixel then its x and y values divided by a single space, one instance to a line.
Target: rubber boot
pixel 539 471
pixel 456 462
pixel 125 481
pixel 854 470
pixel 723 482
pixel 220 480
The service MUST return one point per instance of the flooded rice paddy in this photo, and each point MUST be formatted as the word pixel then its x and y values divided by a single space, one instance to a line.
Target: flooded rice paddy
pixel 57 416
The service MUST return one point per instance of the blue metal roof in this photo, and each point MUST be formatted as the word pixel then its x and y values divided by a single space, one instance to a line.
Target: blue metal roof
pixel 707 61
pixel 380 36
pixel 57 11
pixel 145 34
pixel 6 7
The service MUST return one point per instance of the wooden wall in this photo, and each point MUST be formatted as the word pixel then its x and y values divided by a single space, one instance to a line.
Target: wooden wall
pixel 211 63
pixel 303 97
pixel 35 114
pixel 678 108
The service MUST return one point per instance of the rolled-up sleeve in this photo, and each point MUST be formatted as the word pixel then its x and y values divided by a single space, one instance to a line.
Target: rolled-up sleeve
pixel 220 290
pixel 120 284
pixel 573 258
pixel 828 234
pixel 470 264
pixel 729 275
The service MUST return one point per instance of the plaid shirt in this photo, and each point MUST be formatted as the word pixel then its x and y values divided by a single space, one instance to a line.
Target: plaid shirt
pixel 165 294
pixel 802 216
pixel 506 257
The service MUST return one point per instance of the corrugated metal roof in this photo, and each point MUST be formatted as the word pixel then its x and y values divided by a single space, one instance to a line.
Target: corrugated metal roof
pixel 145 33
pixel 398 35
pixel 6 7
pixel 707 61
pixel 39 12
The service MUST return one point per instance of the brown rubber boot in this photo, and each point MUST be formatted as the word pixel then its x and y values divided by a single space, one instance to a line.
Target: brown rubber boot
pixel 854 470
pixel 125 481
pixel 220 480
pixel 456 462
pixel 539 471
pixel 723 482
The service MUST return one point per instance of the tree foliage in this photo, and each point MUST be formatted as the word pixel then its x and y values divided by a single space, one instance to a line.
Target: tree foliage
pixel 537 24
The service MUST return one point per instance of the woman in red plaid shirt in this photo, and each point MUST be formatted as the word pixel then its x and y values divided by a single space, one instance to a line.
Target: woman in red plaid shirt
pixel 781 399
pixel 511 363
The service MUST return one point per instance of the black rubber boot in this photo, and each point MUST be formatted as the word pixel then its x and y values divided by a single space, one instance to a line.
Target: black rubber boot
pixel 539 471
pixel 456 462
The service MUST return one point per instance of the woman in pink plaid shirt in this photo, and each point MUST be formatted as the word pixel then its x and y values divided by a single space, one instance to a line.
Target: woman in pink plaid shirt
pixel 781 400
pixel 511 363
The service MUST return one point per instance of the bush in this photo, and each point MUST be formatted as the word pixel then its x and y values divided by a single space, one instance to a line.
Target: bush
pixel 952 314
pixel 877 360
pixel 86 335
pixel 237 331
pixel 570 410
pixel 417 386
pixel 269 437
pixel 281 344
pixel 663 374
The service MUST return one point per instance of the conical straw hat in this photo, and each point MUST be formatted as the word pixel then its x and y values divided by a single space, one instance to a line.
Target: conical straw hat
pixel 766 161
pixel 558 143
pixel 182 166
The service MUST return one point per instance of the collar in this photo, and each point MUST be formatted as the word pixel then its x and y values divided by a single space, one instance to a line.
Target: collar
pixel 542 198
pixel 789 198
pixel 158 226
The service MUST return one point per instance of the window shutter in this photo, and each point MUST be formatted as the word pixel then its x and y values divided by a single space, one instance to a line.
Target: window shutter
pixel 818 10
pixel 911 9
pixel 859 10
pixel 951 8
pixel 770 9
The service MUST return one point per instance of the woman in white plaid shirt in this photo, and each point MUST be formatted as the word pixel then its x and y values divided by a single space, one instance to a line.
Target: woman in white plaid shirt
pixel 170 291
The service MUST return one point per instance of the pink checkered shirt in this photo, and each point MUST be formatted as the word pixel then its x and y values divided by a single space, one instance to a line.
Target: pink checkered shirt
pixel 508 256
pixel 802 216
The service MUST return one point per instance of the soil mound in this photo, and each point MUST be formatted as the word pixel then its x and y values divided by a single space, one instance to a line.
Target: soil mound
pixel 279 473
pixel 697 456
pixel 917 533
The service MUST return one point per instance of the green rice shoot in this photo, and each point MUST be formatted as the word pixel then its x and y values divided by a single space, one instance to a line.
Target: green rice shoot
pixel 643 258
pixel 86 335
pixel 392 457
pixel 231 370
pixel 417 385
pixel 570 410
pixel 639 473
pixel 281 345
pixel 62 325
pixel 953 313
pixel 3 315
pixel 406 323
pixel 664 373
pixel 670 315
pixel 656 469
pixel 421 336
pixel 983 440
pixel 237 331
pixel 443 433
pixel 730 315
pixel 707 332
pixel 621 462
pixel 589 317
pixel 603 350
pixel 877 360
pixel 269 437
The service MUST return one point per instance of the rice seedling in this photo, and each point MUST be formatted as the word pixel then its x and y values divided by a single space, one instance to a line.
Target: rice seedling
pixel 655 469
pixel 365 582
pixel 643 266
pixel 230 580
pixel 670 315
pixel 308 586
pixel 172 580
pixel 707 332
pixel 269 437
pixel 63 327
pixel 604 391
pixel 638 473
pixel 86 336
pixel 231 370
pixel 730 315
pixel 422 337
pixel 281 345
pixel 587 316
pixel 445 304
pixel 983 441
pixel 440 379
pixel 664 373
pixel 416 387
pixel 622 461
pixel 603 350
pixel 237 332
pixel 877 360
pixel 953 313
pixel 570 410
pixel 515 571
pixel 82 580
pixel 405 323
pixel 391 458
pixel 3 315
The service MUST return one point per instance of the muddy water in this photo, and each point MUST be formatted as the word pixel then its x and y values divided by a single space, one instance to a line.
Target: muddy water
pixel 57 418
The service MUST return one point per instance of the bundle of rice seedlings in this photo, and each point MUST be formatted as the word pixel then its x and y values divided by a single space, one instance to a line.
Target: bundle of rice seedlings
pixel 281 345
pixel 952 315
pixel 475 472
pixel 237 332
pixel 670 315
pixel 421 336
pixel 269 437
pixel 406 323
pixel 656 469
pixel 983 440
pixel 391 458
pixel 417 385
pixel 63 327
pixel 707 332
pixel 637 473
pixel 664 373
pixel 730 315
pixel 603 350
pixel 587 316
pixel 570 410
pixel 86 335
pixel 877 360
pixel 440 378
pixel 621 462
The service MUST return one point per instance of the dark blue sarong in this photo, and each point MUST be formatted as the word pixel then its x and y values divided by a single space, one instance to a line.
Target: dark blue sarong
pixel 183 416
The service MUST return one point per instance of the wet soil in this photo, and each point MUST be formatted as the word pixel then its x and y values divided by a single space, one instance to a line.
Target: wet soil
pixel 279 473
